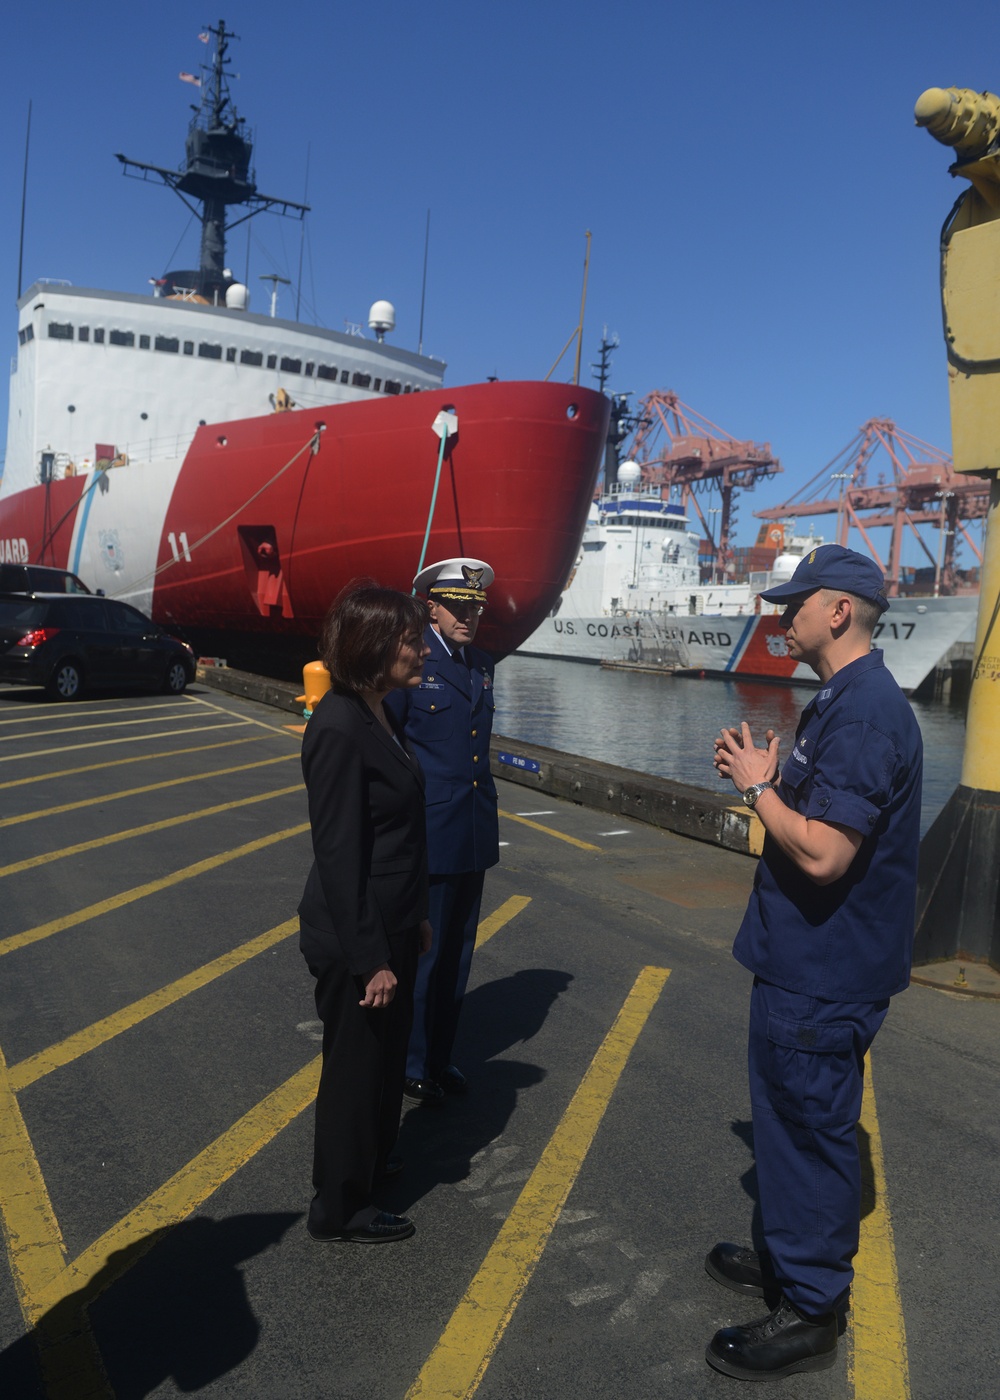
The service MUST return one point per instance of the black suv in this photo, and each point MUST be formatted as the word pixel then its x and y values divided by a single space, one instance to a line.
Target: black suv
pixel 67 641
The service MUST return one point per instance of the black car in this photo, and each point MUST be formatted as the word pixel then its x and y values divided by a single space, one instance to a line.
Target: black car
pixel 66 641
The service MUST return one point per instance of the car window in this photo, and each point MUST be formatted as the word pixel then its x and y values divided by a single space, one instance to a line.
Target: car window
pixel 126 619
pixel 22 612
pixel 83 613
pixel 14 577
pixel 54 581
pixel 39 578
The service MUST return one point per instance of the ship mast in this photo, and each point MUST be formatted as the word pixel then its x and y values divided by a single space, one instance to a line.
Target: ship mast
pixel 216 174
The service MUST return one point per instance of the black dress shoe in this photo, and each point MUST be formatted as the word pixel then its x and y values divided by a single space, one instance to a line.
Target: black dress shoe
pixel 742 1270
pixel 382 1230
pixel 452 1080
pixel 393 1166
pixel 780 1344
pixel 423 1090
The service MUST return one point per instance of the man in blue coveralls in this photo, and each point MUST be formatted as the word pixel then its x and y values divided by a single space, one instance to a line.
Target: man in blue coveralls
pixel 448 721
pixel 827 934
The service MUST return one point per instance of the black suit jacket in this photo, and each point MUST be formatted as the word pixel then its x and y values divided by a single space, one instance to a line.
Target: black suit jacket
pixel 366 808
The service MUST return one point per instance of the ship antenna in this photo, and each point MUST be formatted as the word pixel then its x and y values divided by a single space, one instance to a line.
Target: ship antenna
pixel 24 202
pixel 216 173
pixel 423 285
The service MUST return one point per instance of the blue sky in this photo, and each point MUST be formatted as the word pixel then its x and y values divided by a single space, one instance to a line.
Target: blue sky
pixel 765 215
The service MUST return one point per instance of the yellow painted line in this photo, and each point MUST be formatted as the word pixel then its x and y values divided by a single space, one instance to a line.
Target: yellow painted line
pixel 136 758
pixel 31 1232
pixel 550 831
pixel 82 728
pixel 91 1037
pixel 495 922
pixel 17 867
pixel 118 901
pixel 877 1364
pixel 458 1362
pixel 87 702
pixel 125 1243
pixel 70 1363
pixel 52 713
pixel 249 719
pixel 128 739
pixel 147 787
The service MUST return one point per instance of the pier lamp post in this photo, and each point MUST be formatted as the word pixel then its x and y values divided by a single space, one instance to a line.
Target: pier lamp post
pixel 944 497
pixel 841 477
pixel 717 564
pixel 958 897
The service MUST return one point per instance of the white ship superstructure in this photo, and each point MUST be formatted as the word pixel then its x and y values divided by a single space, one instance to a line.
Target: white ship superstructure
pixel 139 374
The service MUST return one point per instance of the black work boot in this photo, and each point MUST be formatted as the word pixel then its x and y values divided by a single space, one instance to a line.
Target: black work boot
pixel 777 1345
pixel 742 1270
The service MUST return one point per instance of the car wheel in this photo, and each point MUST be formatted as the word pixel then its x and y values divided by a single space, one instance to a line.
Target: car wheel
pixel 66 681
pixel 176 679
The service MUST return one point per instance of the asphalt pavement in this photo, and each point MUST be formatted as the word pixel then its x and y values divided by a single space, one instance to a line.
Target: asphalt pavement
pixel 159 1046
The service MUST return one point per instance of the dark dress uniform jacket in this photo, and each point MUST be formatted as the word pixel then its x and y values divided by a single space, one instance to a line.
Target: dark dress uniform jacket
pixel 366 807
pixel 449 721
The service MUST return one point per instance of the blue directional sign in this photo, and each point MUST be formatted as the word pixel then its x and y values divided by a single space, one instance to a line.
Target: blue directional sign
pixel 514 760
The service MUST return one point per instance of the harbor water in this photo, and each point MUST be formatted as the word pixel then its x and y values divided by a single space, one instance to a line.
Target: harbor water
pixel 666 724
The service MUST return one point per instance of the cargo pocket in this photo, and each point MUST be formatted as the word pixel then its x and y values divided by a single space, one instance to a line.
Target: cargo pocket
pixel 814 1078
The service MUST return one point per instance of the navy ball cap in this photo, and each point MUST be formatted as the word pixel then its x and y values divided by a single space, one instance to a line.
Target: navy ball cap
pixel 833 566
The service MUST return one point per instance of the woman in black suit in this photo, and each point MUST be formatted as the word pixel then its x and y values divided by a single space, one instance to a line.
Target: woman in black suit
pixel 364 910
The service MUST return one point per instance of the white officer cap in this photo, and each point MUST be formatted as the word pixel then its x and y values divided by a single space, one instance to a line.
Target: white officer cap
pixel 461 580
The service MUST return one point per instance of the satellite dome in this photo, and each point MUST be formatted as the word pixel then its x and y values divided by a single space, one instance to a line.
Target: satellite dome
pixel 629 473
pixel 382 318
pixel 237 296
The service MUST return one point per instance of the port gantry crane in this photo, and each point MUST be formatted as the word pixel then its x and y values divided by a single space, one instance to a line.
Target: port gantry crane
pixel 676 446
pixel 924 489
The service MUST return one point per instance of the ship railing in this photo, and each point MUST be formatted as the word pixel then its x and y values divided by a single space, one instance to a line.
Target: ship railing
pixel 619 488
pixel 152 449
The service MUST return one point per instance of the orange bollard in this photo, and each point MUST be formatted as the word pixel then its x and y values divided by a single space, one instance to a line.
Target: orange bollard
pixel 315 683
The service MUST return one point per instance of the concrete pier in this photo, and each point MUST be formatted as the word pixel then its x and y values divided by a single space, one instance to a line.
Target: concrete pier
pixel 159 1048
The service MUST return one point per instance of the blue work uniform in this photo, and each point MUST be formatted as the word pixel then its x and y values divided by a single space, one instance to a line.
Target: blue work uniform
pixel 826 959
pixel 448 720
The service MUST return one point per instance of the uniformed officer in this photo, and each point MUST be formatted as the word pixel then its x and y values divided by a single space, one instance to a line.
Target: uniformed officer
pixel 827 934
pixel 448 721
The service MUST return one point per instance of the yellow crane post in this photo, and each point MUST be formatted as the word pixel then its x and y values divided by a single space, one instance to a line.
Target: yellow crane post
pixel 958 900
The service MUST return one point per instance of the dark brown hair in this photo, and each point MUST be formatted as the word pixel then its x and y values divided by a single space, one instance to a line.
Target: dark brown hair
pixel 362 632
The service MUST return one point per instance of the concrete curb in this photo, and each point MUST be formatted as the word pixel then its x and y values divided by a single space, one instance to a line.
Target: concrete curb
pixel 638 797
pixel 282 695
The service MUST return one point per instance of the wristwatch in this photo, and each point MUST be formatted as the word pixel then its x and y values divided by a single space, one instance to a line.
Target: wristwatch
pixel 752 793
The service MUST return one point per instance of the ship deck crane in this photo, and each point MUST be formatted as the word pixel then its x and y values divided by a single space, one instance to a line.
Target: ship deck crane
pixel 923 489
pixel 676 446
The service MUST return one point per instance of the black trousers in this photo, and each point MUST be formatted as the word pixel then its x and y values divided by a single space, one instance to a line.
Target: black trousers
pixel 361 1086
